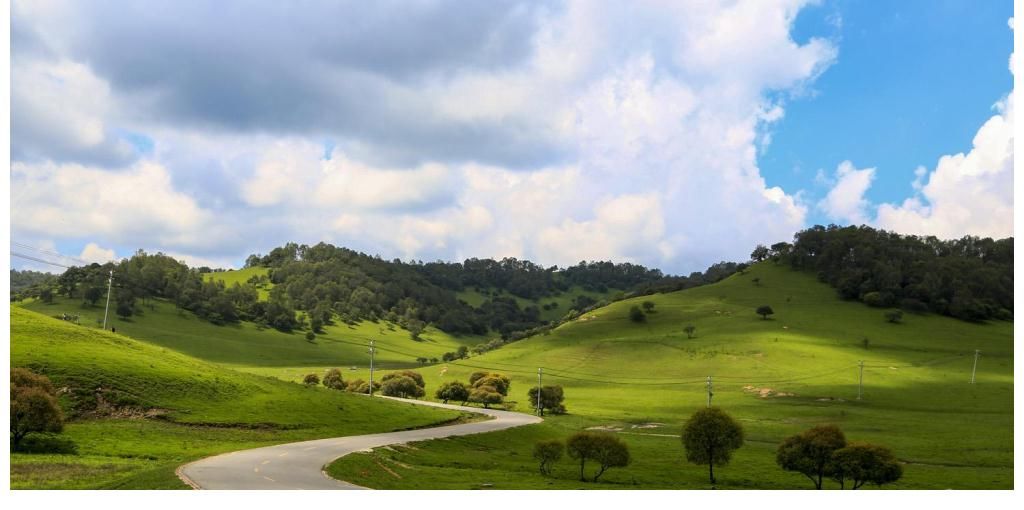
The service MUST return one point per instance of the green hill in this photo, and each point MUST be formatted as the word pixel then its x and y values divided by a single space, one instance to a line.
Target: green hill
pixel 139 410
pixel 777 376
pixel 241 277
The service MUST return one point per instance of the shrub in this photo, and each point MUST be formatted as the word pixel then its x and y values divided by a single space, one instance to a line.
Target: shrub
pixel 551 398
pixel 33 405
pixel 310 336
pixel 333 380
pixel 402 386
pixel 648 306
pixel 485 395
pixel 311 380
pixel 47 443
pixel 497 382
pixel 636 314
pixel 605 449
pixel 453 390
pixel 361 386
pixel 894 316
pixel 415 376
pixel 548 452
pixel 690 330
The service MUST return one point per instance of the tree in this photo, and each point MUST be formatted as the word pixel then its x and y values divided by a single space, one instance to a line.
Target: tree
pixel 311 380
pixel 310 336
pixel 402 386
pixel 636 314
pixel 92 295
pixel 551 398
pixel 33 405
pixel 499 383
pixel 757 281
pixel 710 436
pixel 690 330
pixel 462 352
pixel 648 306
pixel 453 390
pixel 548 452
pixel 316 324
pixel 433 361
pixel 862 463
pixel 606 449
pixel 760 253
pixel 810 452
pixel 421 360
pixel 894 316
pixel 361 386
pixel 448 356
pixel 125 308
pixel 415 327
pixel 415 376
pixel 332 379
pixel 486 395
pixel 764 311
pixel 46 295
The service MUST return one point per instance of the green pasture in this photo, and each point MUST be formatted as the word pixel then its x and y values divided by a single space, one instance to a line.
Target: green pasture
pixel 241 277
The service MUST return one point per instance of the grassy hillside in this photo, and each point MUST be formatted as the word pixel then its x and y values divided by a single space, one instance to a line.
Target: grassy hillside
pixel 241 276
pixel 140 410
pixel 564 300
pixel 246 345
pixel 777 376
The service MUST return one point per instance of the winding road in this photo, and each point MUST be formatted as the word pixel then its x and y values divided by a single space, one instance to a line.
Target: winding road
pixel 300 465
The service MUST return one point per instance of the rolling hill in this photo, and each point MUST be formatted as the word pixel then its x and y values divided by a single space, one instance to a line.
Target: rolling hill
pixel 777 376
pixel 139 410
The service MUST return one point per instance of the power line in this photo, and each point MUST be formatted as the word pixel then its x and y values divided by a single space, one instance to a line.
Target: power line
pixel 47 252
pixel 29 257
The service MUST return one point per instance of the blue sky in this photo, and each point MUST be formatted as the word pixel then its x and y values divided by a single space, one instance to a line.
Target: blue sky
pixel 670 134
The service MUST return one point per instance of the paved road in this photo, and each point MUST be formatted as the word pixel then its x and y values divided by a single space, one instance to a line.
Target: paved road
pixel 300 465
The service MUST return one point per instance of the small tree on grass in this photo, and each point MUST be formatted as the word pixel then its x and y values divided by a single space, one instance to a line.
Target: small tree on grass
pixel 421 360
pixel 33 405
pixel 894 316
pixel 862 463
pixel 551 398
pixel 453 390
pixel 690 330
pixel 311 380
pixel 415 376
pixel 46 296
pixel 415 327
pixel 757 281
pixel 810 452
pixel 605 449
pixel 332 379
pixel 462 352
pixel 710 436
pixel 361 386
pixel 548 452
pixel 125 308
pixel 636 314
pixel 401 386
pixel 764 311
pixel 92 295
pixel 648 306
pixel 310 336
pixel 486 395
pixel 496 382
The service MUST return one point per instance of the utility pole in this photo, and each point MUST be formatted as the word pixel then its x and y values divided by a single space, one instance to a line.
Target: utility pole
pixel 110 283
pixel 540 375
pixel 373 350
pixel 710 393
pixel 974 370
pixel 860 386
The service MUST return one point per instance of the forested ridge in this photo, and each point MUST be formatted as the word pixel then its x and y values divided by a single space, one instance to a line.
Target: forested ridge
pixel 970 278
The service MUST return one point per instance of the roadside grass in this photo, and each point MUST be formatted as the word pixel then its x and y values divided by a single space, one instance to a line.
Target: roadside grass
pixel 245 344
pixel 140 410
pixel 917 398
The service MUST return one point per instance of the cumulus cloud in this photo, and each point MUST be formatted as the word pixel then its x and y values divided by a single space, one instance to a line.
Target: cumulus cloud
pixel 92 252
pixel 845 202
pixel 554 132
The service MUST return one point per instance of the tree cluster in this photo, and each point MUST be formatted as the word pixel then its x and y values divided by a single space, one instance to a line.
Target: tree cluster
pixel 488 388
pixel 822 452
pixel 404 384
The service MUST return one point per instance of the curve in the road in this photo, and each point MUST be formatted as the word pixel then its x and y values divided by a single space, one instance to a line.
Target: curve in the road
pixel 300 465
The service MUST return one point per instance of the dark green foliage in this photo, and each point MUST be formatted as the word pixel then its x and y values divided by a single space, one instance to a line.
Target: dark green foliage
pixel 757 281
pixel 46 295
pixel 760 253
pixel 764 311
pixel 415 376
pixel 710 436
pixel 47 443
pixel 605 449
pixel 636 314
pixel 33 405
pixel 862 463
pixel 690 330
pixel 401 386
pixel 969 278
pixel 311 380
pixel 333 380
pixel 894 316
pixel 810 452
pixel 125 307
pixel 310 336
pixel 548 452
pixel 361 386
pixel 454 391
pixel 485 395
pixel 551 398
pixel 92 294
pixel 648 306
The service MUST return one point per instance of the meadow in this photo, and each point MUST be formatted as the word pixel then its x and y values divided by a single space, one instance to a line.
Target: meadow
pixel 141 410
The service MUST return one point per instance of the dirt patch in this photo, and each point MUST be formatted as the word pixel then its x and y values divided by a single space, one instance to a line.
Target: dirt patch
pixel 105 409
pixel 766 392
pixel 651 425
pixel 606 428
pixel 587 318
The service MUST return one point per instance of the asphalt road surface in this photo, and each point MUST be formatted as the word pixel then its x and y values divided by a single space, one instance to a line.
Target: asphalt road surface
pixel 300 465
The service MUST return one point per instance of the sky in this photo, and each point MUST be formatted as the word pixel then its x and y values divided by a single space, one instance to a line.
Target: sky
pixel 666 133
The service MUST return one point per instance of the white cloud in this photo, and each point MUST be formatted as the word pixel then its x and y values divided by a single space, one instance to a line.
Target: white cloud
pixel 92 252
pixel 845 202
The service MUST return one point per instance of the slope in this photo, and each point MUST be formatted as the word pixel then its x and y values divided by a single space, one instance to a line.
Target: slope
pixel 777 376
pixel 140 410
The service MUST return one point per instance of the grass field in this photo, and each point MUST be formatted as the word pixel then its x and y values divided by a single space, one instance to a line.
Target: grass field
pixel 151 409
pixel 777 376
pixel 241 276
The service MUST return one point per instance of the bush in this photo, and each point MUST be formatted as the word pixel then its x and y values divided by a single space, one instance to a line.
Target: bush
pixel 636 314
pixel 495 381
pixel 648 306
pixel 402 386
pixel 415 376
pixel 551 398
pixel 690 330
pixel 605 449
pixel 47 443
pixel 333 379
pixel 33 405
pixel 311 380
pixel 361 386
pixel 453 390
pixel 547 452
pixel 310 336
pixel 485 395
pixel 894 316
